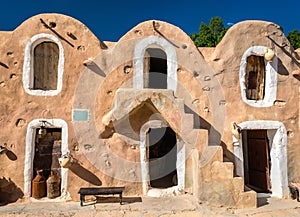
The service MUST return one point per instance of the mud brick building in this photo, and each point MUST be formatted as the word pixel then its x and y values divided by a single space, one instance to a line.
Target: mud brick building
pixel 150 112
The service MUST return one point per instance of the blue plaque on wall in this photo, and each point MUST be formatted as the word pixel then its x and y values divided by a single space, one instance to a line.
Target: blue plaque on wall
pixel 80 115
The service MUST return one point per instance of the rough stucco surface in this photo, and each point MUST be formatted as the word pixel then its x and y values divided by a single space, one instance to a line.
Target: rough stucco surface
pixel 17 105
pixel 207 85
pixel 287 112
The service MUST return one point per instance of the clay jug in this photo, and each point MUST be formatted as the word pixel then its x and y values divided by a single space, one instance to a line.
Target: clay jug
pixel 39 185
pixel 53 183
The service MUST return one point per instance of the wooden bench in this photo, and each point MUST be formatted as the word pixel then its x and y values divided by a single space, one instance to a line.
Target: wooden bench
pixel 294 190
pixel 100 191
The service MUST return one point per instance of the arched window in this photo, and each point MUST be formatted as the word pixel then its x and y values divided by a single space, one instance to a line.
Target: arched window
pixel 155 69
pixel 258 77
pixel 43 65
pixel 45 68
pixel 255 77
pixel 153 54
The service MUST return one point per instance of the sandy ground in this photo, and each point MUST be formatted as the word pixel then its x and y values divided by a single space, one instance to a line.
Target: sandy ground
pixel 179 206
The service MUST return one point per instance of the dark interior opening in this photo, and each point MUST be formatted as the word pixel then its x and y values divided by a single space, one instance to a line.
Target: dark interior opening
pixel 257 161
pixel 255 77
pixel 157 68
pixel 47 151
pixel 162 157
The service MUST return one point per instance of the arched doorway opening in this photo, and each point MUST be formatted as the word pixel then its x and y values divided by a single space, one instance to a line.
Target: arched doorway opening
pixel 268 139
pixel 162 149
pixel 165 171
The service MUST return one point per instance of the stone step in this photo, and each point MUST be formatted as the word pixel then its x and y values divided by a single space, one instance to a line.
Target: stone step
pixel 180 104
pixel 187 123
pixel 238 184
pixel 211 154
pixel 222 170
pixel 246 200
pixel 190 137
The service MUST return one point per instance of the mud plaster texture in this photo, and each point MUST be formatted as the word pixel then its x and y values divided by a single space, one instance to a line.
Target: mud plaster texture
pixel 206 101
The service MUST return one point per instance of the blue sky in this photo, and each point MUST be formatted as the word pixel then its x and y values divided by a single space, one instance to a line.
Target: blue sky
pixel 109 20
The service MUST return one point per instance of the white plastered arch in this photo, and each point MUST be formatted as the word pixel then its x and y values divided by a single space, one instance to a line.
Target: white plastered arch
pixel 270 78
pixel 139 53
pixel 28 65
pixel 180 163
pixel 30 149
pixel 278 154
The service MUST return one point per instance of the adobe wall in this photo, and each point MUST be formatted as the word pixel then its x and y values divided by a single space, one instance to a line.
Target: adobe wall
pixel 109 142
pixel 18 109
pixel 227 58
pixel 207 80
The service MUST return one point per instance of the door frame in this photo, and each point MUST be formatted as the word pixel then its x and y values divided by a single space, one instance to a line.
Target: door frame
pixel 29 153
pixel 180 163
pixel 278 154
pixel 138 61
pixel 259 141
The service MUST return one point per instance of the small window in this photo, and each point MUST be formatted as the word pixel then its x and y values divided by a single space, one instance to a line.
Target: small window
pixel 154 51
pixel 43 66
pixel 258 77
pixel 46 55
pixel 255 77
pixel 155 69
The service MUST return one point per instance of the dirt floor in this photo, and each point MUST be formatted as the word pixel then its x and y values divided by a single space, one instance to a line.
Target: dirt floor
pixel 180 206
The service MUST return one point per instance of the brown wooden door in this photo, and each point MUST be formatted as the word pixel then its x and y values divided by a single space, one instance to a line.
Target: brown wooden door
pixel 258 158
pixel 255 77
pixel 46 55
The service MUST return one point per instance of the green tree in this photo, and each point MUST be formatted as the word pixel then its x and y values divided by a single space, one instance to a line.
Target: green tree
pixel 294 38
pixel 209 35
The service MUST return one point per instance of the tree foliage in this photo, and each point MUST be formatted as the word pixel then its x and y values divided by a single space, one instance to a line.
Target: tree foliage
pixel 294 38
pixel 209 35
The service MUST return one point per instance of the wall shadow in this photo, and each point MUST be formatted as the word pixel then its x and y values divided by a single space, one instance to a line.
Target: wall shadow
pixel 85 174
pixel 103 45
pixel 96 69
pixel 262 201
pixel 56 33
pixel 4 65
pixel 282 69
pixel 293 59
pixel 125 200
pixel 214 136
pixel 297 77
pixel 162 35
pixel 9 191
pixel 111 199
pixel 11 156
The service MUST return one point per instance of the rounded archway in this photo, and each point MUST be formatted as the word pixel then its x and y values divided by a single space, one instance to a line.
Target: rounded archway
pixel 173 160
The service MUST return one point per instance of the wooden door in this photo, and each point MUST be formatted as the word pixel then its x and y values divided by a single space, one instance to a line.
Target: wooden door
pixel 255 77
pixel 46 56
pixel 259 160
pixel 47 152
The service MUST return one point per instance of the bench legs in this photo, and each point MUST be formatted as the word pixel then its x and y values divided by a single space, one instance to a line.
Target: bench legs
pixel 82 197
pixel 121 199
pixel 294 193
